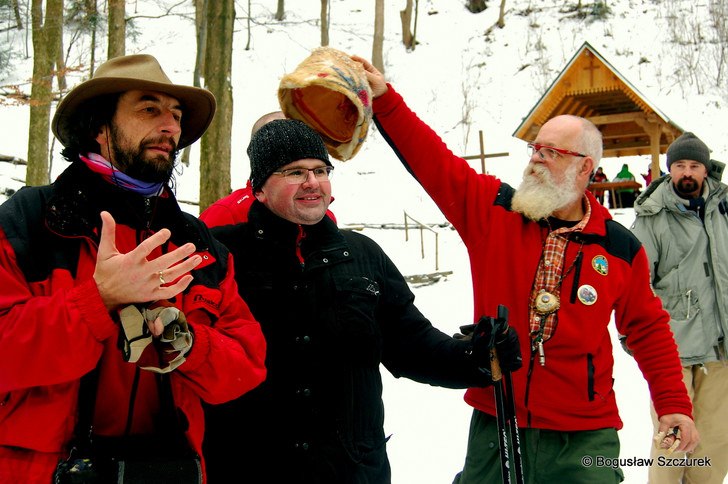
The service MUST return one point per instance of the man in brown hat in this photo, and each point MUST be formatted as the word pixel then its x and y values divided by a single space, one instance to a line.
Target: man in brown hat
pixel 118 309
pixel 682 221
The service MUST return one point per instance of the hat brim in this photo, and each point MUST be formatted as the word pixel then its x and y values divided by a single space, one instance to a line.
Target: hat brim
pixel 198 104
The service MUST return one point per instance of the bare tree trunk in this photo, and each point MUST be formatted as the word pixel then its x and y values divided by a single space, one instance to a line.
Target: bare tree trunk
pixel 406 17
pixel 476 6
pixel 414 32
pixel 201 37
pixel 280 12
pixel 324 23
pixel 92 14
pixel 117 28
pixel 46 43
pixel 60 65
pixel 378 44
pixel 247 45
pixel 502 15
pixel 215 147
pixel 16 12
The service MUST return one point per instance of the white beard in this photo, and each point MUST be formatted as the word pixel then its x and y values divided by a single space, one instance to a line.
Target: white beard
pixel 539 195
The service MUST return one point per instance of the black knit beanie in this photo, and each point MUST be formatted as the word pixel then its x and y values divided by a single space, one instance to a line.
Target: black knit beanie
pixel 688 147
pixel 280 142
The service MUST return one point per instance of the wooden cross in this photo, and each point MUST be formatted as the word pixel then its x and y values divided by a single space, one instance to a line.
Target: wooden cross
pixel 591 69
pixel 483 155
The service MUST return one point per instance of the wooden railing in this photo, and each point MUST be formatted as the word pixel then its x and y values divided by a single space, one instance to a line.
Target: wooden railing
pixel 422 227
pixel 613 188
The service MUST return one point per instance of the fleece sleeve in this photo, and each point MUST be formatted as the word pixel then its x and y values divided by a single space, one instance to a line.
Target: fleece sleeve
pixel 641 318
pixel 448 179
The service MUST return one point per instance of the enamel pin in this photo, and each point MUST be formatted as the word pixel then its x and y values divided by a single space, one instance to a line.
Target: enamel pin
pixel 600 264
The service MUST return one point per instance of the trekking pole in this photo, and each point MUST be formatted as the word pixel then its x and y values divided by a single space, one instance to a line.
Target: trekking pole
pixel 505 406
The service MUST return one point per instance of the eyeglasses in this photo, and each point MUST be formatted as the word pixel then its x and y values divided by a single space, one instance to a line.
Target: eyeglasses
pixel 295 176
pixel 549 153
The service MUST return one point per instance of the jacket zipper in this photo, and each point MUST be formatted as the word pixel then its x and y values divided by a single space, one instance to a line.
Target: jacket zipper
pixel 528 387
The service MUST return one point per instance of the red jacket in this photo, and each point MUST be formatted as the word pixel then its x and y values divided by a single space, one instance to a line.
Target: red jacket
pixel 574 390
pixel 54 327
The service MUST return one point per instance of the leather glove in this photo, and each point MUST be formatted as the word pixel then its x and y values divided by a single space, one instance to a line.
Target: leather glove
pixel 466 332
pixel 163 354
pixel 495 333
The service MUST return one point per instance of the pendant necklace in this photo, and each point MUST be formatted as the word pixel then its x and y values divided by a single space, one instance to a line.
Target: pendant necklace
pixel 548 302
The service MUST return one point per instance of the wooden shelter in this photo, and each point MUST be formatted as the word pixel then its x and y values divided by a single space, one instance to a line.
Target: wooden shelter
pixel 591 87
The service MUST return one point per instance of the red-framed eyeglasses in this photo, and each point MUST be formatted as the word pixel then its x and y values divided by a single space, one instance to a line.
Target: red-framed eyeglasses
pixel 549 153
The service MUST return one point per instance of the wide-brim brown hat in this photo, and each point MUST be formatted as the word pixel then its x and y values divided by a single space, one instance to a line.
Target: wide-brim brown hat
pixel 330 92
pixel 141 72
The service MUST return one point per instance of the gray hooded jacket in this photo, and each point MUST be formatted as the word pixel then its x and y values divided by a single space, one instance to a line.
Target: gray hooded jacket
pixel 689 265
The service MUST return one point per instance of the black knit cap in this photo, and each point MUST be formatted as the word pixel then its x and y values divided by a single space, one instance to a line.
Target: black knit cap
pixel 688 147
pixel 280 142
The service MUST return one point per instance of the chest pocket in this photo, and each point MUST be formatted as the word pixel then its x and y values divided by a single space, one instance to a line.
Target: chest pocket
pixel 355 326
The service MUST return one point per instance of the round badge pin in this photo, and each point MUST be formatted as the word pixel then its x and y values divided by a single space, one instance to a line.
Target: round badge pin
pixel 587 294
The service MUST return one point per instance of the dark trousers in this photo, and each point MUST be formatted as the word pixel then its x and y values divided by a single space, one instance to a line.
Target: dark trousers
pixel 549 456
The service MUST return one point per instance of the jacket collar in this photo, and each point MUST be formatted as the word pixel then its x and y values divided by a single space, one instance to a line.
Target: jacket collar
pixel 79 195
pixel 658 196
pixel 319 241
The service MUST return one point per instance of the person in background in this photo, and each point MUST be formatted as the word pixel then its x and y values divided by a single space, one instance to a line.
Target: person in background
pixel 625 196
pixel 682 221
pixel 599 177
pixel 119 312
pixel 648 176
pixel 551 254
pixel 333 307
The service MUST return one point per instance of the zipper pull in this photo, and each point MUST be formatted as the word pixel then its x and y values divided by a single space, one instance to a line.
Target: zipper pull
pixel 687 296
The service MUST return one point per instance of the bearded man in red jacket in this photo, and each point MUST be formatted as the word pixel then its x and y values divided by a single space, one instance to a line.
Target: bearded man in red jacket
pixel 119 312
pixel 550 253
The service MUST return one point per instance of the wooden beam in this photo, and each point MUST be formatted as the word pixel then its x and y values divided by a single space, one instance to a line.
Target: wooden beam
pixel 486 155
pixel 617 118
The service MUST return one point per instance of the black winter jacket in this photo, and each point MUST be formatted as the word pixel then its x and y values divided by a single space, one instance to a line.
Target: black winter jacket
pixel 332 306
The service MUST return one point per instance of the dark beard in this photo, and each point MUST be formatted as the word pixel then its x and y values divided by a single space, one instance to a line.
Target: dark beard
pixel 132 163
pixel 686 186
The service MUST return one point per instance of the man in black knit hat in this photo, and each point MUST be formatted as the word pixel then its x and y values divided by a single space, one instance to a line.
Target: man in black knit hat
pixel 683 223
pixel 333 307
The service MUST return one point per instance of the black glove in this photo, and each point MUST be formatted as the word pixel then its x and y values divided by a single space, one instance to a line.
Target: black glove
pixel 495 333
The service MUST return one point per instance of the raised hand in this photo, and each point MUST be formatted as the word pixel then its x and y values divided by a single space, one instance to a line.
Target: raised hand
pixel 375 78
pixel 131 278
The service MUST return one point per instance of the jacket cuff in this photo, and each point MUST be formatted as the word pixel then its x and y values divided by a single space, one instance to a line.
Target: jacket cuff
pixel 85 298
pixel 387 101
pixel 200 350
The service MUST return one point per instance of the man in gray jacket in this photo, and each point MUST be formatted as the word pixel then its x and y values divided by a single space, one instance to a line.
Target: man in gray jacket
pixel 682 220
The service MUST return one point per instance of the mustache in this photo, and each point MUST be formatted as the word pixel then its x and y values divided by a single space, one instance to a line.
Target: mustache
pixel 160 140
